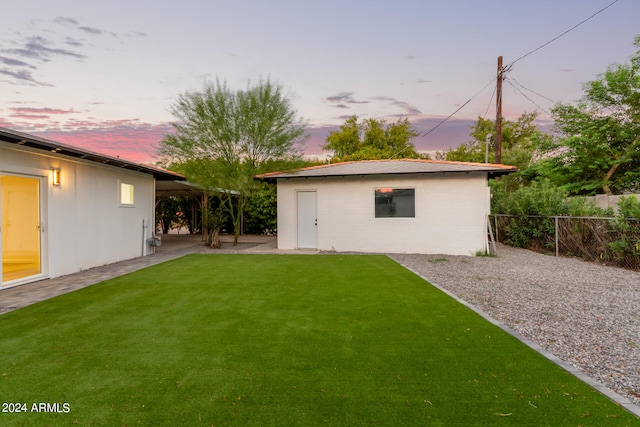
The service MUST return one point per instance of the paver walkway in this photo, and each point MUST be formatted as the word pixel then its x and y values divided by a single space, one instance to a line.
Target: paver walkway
pixel 173 246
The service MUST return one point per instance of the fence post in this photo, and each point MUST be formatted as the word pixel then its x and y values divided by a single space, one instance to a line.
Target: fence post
pixel 556 219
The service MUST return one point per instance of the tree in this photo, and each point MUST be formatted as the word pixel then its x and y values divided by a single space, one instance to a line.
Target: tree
pixel 177 211
pixel 167 213
pixel 223 138
pixel 371 139
pixel 599 147
pixel 519 141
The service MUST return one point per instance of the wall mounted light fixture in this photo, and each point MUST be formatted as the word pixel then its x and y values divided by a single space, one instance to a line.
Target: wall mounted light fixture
pixel 56 177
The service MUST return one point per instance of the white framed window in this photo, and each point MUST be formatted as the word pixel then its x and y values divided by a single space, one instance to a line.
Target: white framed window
pixel 126 194
pixel 395 202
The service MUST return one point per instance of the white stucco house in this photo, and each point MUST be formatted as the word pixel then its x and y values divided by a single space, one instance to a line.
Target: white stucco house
pixel 386 206
pixel 64 209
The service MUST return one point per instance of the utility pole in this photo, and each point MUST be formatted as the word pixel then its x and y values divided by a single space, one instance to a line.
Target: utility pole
pixel 499 112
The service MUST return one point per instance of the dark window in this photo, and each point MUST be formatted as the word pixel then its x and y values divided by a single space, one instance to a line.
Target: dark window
pixel 395 203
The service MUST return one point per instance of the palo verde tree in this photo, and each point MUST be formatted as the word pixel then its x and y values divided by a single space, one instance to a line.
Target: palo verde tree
pixel 599 147
pixel 222 138
pixel 372 139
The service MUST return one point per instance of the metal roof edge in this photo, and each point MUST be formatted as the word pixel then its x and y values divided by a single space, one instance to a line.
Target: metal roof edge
pixel 493 169
pixel 39 143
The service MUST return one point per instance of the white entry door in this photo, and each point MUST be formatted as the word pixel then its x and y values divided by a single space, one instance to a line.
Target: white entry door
pixel 307 219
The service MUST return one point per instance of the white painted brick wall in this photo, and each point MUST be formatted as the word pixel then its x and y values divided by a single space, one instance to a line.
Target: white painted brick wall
pixel 450 214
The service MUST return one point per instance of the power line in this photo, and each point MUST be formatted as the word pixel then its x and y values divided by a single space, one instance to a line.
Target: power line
pixel 489 104
pixel 517 83
pixel 459 108
pixel 569 30
pixel 508 68
pixel 521 93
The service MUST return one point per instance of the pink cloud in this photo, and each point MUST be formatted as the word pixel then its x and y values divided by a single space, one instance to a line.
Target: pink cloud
pixel 30 110
pixel 137 141
pixel 29 113
pixel 128 139
pixel 29 116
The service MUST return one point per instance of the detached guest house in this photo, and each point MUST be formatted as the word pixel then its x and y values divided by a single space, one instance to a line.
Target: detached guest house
pixel 393 206
pixel 63 209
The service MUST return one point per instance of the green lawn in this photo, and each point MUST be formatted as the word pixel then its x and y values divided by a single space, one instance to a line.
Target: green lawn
pixel 279 340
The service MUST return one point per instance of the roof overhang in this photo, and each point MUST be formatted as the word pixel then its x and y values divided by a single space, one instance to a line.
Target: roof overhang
pixel 186 188
pixel 389 167
pixel 37 143
pixel 177 189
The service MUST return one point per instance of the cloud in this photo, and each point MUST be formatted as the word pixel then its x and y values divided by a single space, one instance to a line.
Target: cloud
pixel 23 76
pixel 424 81
pixel 411 57
pixel 91 30
pixel 344 98
pixel 38 113
pixel 128 139
pixel 31 50
pixel 14 62
pixel 408 108
pixel 84 28
pixel 340 97
pixel 30 116
pixel 65 21
pixel 97 31
pixel 138 141
pixel 35 47
pixel 72 42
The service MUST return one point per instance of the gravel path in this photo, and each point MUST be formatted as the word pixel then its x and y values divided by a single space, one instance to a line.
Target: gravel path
pixel 587 315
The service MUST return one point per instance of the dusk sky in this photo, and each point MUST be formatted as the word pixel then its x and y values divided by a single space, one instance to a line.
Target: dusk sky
pixel 103 75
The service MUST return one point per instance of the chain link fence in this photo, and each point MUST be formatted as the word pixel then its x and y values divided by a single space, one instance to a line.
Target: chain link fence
pixel 610 241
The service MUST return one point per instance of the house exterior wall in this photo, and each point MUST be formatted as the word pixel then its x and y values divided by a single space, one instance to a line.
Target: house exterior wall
pixel 83 223
pixel 450 214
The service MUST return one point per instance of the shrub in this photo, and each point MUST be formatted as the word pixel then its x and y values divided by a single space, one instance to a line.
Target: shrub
pixel 261 212
pixel 626 248
pixel 540 198
pixel 533 207
pixel 629 207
